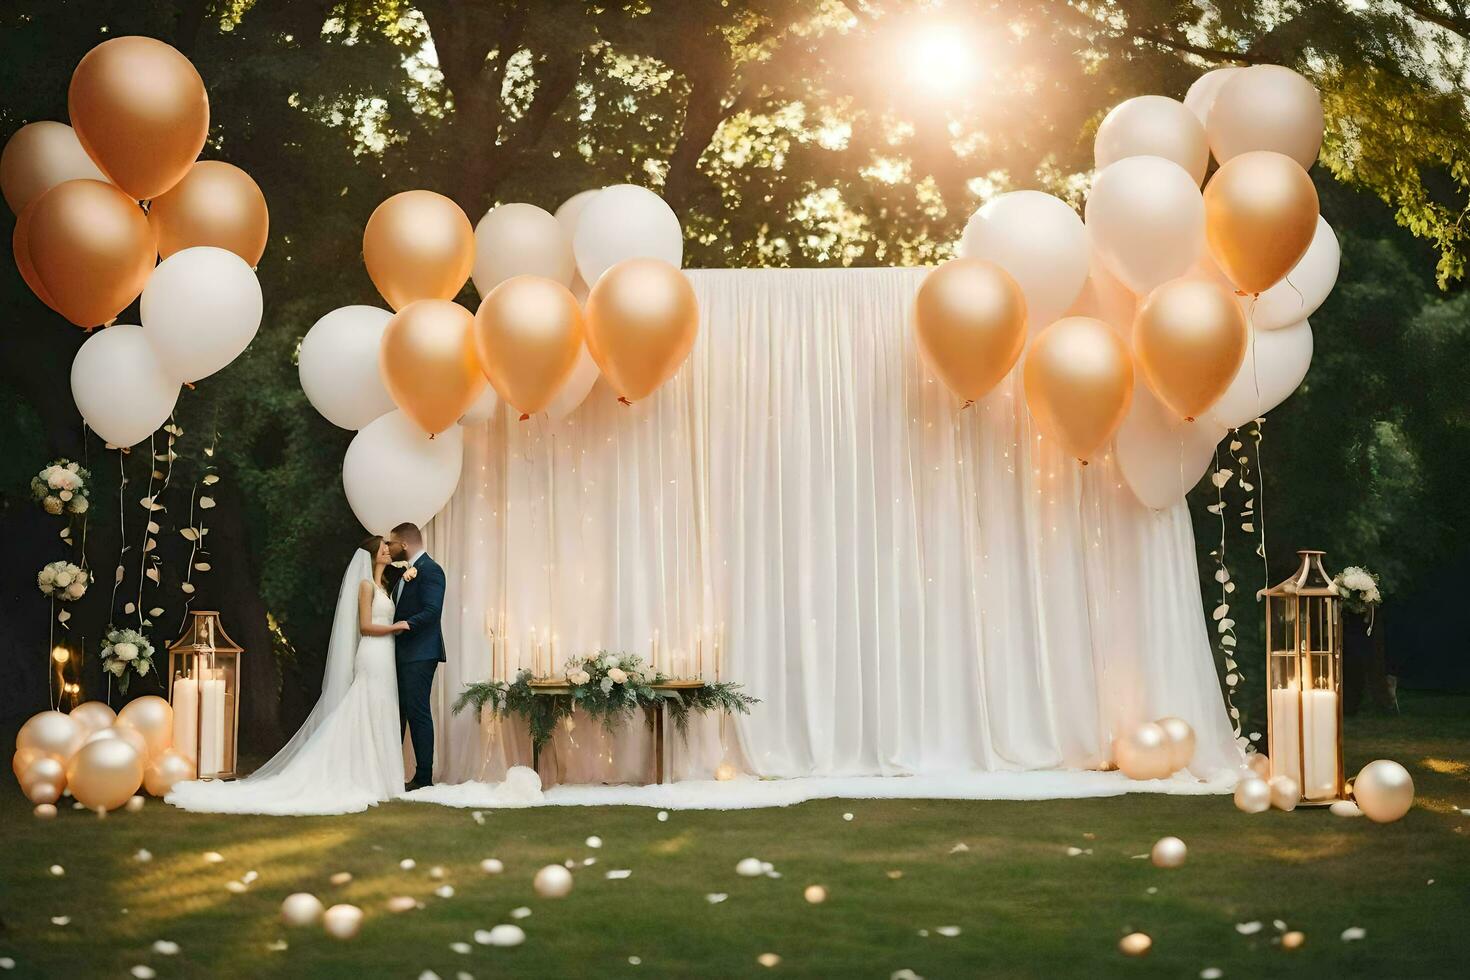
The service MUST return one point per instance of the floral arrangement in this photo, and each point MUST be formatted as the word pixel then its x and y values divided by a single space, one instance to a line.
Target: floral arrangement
pixel 607 686
pixel 126 652
pixel 63 581
pixel 61 488
pixel 1358 589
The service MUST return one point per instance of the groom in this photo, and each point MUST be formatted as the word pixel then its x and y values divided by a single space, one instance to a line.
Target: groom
pixel 419 599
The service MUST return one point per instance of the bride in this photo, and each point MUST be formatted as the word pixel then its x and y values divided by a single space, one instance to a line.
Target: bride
pixel 348 755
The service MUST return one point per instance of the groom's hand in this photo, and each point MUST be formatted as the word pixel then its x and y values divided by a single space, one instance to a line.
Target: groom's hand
pixel 401 626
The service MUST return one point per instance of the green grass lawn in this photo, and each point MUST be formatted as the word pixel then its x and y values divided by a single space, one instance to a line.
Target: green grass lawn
pixel 1022 905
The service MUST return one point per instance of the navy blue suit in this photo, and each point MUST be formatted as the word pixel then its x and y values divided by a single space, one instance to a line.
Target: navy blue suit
pixel 418 653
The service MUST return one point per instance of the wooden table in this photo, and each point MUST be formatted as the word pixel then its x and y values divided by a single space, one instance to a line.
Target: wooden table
pixel 669 689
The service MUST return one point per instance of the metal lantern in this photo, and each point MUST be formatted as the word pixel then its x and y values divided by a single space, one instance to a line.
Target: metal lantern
pixel 1304 680
pixel 204 689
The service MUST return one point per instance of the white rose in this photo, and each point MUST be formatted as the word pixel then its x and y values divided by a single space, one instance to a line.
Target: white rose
pixel 47 576
pixel 76 590
pixel 79 505
pixel 52 505
pixel 116 667
pixel 65 495
pixel 579 677
pixel 618 676
pixel 125 651
pixel 54 479
pixel 74 467
pixel 607 684
pixel 63 578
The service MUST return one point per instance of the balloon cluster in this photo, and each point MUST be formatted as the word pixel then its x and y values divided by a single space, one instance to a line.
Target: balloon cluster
pixel 540 336
pixel 1169 314
pixel 1155 749
pixel 100 757
pixel 88 248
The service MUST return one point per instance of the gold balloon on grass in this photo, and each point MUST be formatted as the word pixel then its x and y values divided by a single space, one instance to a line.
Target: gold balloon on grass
pixel 166 769
pixel 140 110
pixel 52 733
pixel 43 793
pixel 1260 217
pixel 642 318
pixel 1384 791
pixel 1079 382
pixel 1189 338
pixel 47 769
pixel 151 717
pixel 428 363
pixel 215 204
pixel 92 249
pixel 23 758
pixel 528 335
pixel 20 246
pixel 1144 752
pixel 93 716
pixel 1181 742
pixel 418 245
pixel 970 320
pixel 104 775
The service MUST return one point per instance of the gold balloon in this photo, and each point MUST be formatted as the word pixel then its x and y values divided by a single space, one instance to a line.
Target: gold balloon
pixel 42 793
pixel 428 362
pixel 123 732
pixel 104 775
pixel 23 758
pixel 1189 338
pixel 1079 383
pixel 970 320
pixel 1144 752
pixel 1135 944
pixel 1285 793
pixel 37 157
pixel 1252 795
pixel 1181 742
pixel 1384 791
pixel 1168 852
pixel 141 112
pixel 20 246
pixel 153 718
pixel 92 249
pixel 642 318
pixel 167 768
pixel 93 716
pixel 47 769
pixel 418 245
pixel 215 204
pixel 51 732
pixel 528 335
pixel 1259 764
pixel 1260 216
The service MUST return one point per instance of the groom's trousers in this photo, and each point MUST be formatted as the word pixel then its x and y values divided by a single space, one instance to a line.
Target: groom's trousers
pixel 415 681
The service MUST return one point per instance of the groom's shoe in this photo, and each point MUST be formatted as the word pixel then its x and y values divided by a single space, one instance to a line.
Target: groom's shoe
pixel 410 787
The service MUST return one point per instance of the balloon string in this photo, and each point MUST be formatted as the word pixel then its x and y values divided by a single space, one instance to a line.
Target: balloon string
pixel 1255 365
pixel 122 530
pixel 51 664
pixel 147 530
pixel 1261 500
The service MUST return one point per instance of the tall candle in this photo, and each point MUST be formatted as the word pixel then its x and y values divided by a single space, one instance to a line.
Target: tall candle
pixel 186 718
pixel 1286 733
pixel 211 725
pixel 1319 748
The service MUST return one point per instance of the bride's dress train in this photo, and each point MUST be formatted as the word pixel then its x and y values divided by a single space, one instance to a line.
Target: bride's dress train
pixel 346 760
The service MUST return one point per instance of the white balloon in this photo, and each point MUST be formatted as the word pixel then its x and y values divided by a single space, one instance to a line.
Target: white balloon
pixel 200 310
pixel 1201 95
pixel 484 408
pixel 1160 455
pixel 1305 287
pixel 1152 125
pixel 1283 357
pixel 1104 298
pixel 1147 220
pixel 521 240
pixel 55 156
pixel 394 473
pixel 574 392
pixel 339 366
pixel 568 215
pixel 625 221
pixel 1040 241
pixel 121 389
pixel 1266 107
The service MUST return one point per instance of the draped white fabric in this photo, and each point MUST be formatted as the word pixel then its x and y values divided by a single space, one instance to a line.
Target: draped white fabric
pixel 909 587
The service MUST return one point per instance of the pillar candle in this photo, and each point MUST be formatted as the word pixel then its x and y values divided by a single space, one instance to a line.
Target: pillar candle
pixel 186 718
pixel 212 725
pixel 1286 733
pixel 1319 749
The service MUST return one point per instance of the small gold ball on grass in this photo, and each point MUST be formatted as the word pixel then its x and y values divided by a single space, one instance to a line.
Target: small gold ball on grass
pixel 1135 944
pixel 134 804
pixel 1293 940
pixel 1252 795
pixel 342 921
pixel 492 866
pixel 402 903
pixel 1169 852
pixel 341 878
pixel 1284 793
pixel 45 811
pixel 301 909
pixel 768 959
pixel 815 894
pixel 553 881
pixel 1384 791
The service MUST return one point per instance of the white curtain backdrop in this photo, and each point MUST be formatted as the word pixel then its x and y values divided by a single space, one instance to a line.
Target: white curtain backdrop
pixel 909 587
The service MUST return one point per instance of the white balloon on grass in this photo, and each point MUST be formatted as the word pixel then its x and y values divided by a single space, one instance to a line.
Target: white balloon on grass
pixel 521 240
pixel 1160 455
pixel 121 389
pixel 1266 107
pixel 1202 92
pixel 1040 241
pixel 1275 363
pixel 553 881
pixel 339 366
pixel 1147 220
pixel 200 310
pixel 1153 125
pixel 622 222
pixel 394 473
pixel 1305 287
pixel 574 392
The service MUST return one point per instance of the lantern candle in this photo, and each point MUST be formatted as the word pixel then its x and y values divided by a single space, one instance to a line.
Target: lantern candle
pixel 1319 748
pixel 211 723
pixel 186 718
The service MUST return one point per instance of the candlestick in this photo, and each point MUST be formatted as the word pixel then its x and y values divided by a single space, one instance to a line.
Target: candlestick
pixel 1319 748
pixel 211 726
pixel 1285 733
pixel 186 718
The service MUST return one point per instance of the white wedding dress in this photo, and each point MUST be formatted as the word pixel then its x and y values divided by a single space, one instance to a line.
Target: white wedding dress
pixel 348 755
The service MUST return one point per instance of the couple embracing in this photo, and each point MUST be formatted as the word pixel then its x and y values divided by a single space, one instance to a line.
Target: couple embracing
pixel 386 644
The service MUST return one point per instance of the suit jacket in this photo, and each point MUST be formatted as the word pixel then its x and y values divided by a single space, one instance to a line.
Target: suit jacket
pixel 419 604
